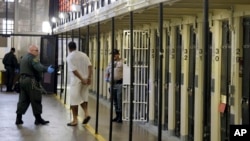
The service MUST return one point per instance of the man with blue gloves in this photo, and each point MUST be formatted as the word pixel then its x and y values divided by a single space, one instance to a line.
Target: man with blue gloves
pixel 31 91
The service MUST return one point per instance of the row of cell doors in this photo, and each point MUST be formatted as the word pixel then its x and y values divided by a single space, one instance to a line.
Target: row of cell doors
pixel 192 81
pixel 50 47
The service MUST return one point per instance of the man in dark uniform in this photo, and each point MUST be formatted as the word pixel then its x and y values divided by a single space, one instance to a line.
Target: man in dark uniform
pixel 31 90
pixel 10 64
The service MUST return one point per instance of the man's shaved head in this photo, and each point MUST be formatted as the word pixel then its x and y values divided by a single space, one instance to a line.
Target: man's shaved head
pixel 33 49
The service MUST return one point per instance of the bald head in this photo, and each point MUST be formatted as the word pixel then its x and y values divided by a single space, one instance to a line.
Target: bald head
pixel 33 49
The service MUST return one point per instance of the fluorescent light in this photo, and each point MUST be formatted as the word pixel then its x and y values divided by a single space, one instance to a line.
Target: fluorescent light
pixel 12 1
pixel 63 15
pixel 53 19
pixel 9 0
pixel 46 27
pixel 75 8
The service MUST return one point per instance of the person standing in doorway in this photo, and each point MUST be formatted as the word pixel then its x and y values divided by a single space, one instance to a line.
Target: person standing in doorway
pixel 10 64
pixel 80 69
pixel 117 85
pixel 30 87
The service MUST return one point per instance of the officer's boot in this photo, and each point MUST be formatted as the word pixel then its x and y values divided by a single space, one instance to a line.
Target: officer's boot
pixel 115 119
pixel 40 120
pixel 119 118
pixel 19 119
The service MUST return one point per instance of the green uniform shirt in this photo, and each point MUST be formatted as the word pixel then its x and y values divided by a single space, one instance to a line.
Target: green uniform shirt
pixel 31 65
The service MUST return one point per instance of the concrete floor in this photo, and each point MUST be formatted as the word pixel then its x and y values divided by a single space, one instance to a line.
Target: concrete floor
pixel 59 115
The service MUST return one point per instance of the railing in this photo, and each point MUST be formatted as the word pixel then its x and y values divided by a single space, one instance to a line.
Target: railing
pixel 85 7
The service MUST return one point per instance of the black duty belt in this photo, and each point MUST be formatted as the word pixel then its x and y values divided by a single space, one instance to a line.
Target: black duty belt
pixel 23 75
pixel 118 81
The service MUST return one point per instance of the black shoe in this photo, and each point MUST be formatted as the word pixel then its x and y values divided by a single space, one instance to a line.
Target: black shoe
pixel 19 121
pixel 41 121
pixel 115 119
pixel 86 120
pixel 119 120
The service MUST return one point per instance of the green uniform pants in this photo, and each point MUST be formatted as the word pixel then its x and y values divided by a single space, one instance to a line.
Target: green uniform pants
pixel 29 94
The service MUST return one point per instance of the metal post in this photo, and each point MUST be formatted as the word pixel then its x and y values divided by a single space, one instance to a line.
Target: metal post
pixel 82 8
pixel 131 77
pixel 6 16
pixel 160 65
pixel 98 77
pixel 66 74
pixel 87 42
pixel 207 72
pixel 112 77
pixel 79 39
pixel 62 68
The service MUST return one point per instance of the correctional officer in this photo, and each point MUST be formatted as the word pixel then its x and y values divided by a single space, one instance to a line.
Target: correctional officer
pixel 117 85
pixel 10 64
pixel 31 89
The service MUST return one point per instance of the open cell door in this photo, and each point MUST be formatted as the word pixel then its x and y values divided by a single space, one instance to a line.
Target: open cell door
pixel 48 56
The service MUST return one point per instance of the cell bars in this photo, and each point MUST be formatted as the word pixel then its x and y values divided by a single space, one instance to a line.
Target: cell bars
pixel 141 74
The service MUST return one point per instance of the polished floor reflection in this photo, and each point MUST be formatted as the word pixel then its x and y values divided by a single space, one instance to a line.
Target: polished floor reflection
pixel 59 115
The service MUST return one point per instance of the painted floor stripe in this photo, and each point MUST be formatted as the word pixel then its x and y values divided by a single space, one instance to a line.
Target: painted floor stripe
pixel 87 126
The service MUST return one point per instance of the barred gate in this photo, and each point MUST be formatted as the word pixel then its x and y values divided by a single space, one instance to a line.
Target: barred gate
pixel 141 74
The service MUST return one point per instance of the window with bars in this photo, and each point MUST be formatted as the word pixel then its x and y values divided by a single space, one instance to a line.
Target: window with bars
pixel 7 26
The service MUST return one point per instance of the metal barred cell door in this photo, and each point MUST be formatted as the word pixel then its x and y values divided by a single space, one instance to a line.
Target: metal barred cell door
pixel 246 71
pixel 225 79
pixel 141 74
pixel 178 81
pixel 191 84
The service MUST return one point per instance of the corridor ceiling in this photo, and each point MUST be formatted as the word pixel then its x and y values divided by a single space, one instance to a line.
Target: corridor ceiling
pixel 146 16
pixel 175 10
pixel 23 5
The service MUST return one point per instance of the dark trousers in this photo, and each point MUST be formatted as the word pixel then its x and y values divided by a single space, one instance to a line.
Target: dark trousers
pixel 117 97
pixel 10 74
pixel 29 94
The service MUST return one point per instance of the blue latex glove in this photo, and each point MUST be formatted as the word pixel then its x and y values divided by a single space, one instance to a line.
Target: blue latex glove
pixel 106 79
pixel 16 70
pixel 50 69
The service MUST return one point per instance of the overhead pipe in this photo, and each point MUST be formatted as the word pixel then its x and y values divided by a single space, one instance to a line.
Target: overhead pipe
pixel 4 35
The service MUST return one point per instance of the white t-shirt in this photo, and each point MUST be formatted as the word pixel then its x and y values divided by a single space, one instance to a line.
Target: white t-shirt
pixel 78 61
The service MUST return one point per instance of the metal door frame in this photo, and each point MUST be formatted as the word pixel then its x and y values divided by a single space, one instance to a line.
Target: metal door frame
pixel 246 72
pixel 191 83
pixel 53 76
pixel 225 78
